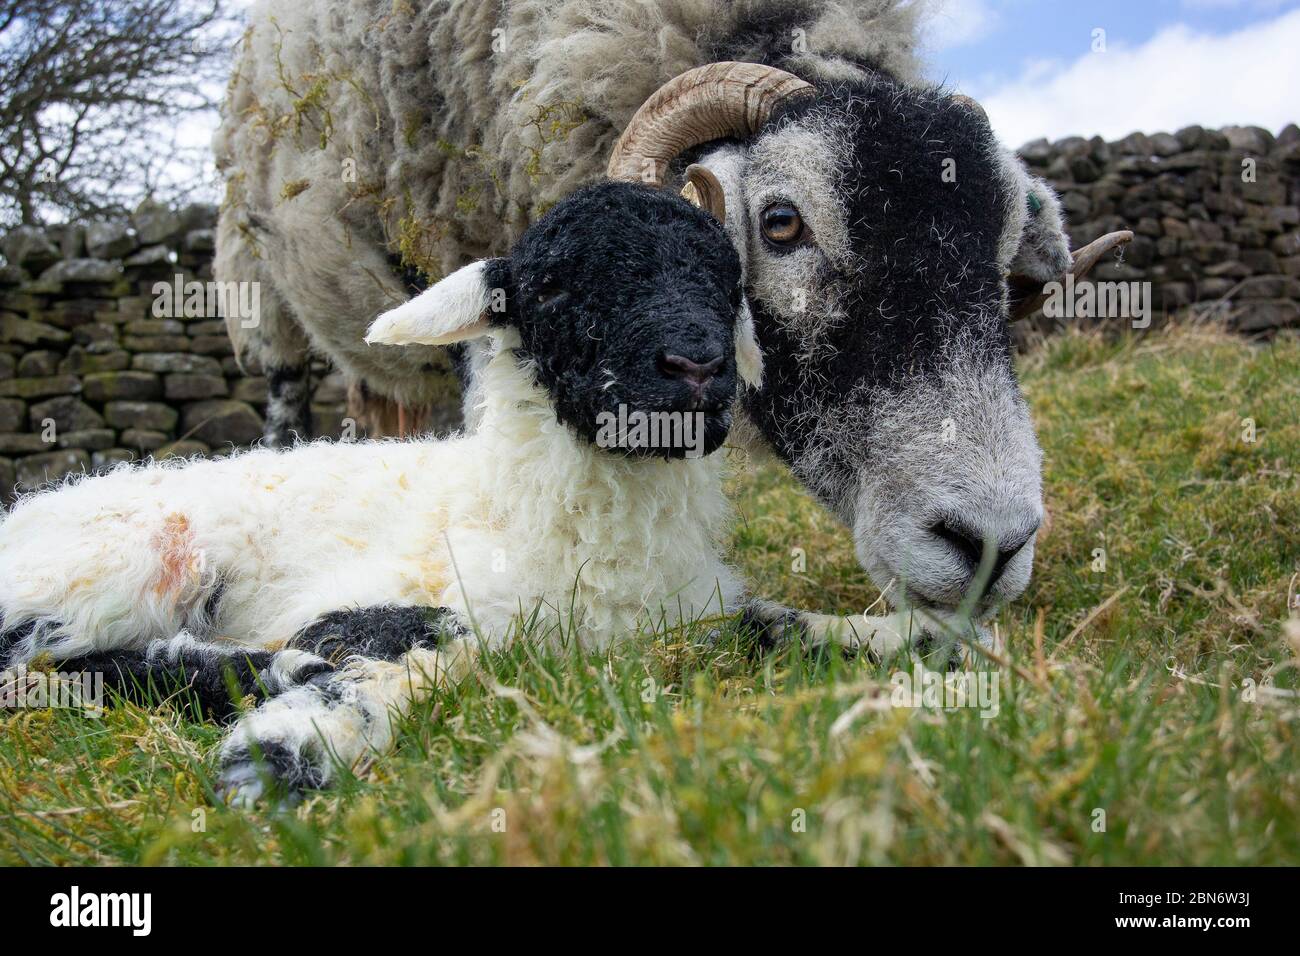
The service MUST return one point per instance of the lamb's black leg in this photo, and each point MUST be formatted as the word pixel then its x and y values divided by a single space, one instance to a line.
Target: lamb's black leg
pixel 210 678
pixel 288 405
pixel 384 632
pixel 388 659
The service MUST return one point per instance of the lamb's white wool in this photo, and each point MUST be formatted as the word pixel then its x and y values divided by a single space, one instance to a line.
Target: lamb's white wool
pixel 520 515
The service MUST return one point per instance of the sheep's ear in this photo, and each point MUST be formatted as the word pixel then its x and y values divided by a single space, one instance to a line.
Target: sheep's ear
pixel 452 310
pixel 704 190
pixel 749 357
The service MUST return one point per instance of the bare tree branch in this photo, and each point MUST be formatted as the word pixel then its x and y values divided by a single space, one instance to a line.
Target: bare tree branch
pixel 91 93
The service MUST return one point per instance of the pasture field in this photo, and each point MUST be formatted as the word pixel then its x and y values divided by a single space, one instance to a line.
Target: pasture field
pixel 1147 712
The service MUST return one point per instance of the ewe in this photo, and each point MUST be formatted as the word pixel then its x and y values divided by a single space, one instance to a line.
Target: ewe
pixel 885 236
pixel 340 582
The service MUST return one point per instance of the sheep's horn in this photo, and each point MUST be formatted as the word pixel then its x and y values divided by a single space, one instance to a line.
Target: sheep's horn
pixel 716 101
pixel 1027 294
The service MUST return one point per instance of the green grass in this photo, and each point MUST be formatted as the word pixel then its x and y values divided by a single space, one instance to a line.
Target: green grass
pixel 678 753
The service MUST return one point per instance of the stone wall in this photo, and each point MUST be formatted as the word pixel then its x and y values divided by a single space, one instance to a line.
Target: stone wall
pixel 1216 217
pixel 90 376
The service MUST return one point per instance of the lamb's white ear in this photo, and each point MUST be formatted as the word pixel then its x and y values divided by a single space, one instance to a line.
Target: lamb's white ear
pixel 749 357
pixel 449 311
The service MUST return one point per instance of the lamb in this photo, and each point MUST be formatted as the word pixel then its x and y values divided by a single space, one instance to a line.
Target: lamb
pixel 339 582
pixel 885 237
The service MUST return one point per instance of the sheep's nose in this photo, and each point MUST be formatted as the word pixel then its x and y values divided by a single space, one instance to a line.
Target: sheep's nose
pixel 696 374
pixel 968 543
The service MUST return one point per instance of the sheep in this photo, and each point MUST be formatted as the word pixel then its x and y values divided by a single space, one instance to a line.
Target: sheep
pixel 338 582
pixel 885 237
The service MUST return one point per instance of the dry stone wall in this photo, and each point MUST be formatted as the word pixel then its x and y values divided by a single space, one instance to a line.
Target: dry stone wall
pixel 90 376
pixel 1216 217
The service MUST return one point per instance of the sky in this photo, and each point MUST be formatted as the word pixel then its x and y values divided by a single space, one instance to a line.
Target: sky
pixel 1160 65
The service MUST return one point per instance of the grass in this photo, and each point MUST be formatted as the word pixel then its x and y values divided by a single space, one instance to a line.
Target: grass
pixel 1161 728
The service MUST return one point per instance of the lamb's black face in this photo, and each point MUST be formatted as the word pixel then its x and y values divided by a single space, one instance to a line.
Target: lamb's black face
pixel 626 299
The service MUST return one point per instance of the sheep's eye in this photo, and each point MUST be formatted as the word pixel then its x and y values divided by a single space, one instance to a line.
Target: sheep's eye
pixel 782 225
pixel 550 296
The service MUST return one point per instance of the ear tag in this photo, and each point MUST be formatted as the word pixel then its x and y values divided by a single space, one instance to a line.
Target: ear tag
pixel 1035 204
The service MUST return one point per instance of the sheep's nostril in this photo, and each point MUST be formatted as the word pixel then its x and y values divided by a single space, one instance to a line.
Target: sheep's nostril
pixel 970 546
pixel 696 374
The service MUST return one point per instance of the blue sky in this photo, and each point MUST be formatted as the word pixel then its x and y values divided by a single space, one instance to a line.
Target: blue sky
pixel 1166 63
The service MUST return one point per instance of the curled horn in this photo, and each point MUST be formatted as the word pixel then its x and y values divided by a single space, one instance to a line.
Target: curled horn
pixel 719 100
pixel 1027 294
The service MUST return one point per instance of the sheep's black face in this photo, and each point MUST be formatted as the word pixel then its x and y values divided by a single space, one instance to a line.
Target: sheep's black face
pixel 879 222
pixel 626 299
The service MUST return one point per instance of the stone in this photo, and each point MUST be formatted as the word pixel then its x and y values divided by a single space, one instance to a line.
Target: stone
pixel 37 364
pixel 144 439
pixel 155 343
pixel 1190 137
pixel 222 422
pixel 29 247
pixel 151 416
pixel 11 275
pixel 327 421
pixel 1037 152
pixel 184 387
pixel 22 443
pixel 82 272
pixel 43 387
pixel 212 345
pixel 183 449
pixel 1084 169
pixel 154 327
pixel 155 222
pixel 91 439
pixel 111 386
pixel 1165 144
pixel 37 470
pixel 150 257
pixel 1250 139
pixel 198 215
pixel 1134 144
pixel 30 332
pixel 1263 315
pixel 251 390
pixel 8 475
pixel 1289 134
pixel 176 362
pixel 95 337
pixel 107 460
pixel 68 413
pixel 79 361
pixel 13 414
pixel 110 240
pixel 199 240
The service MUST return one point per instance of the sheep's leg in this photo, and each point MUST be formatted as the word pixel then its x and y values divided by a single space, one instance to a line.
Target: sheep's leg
pixel 879 637
pixel 288 404
pixel 212 676
pixel 296 741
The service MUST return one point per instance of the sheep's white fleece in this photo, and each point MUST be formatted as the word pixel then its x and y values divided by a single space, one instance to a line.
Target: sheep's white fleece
pixel 519 515
pixel 357 128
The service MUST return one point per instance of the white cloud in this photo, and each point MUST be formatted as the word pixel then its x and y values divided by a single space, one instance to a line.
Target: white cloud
pixel 950 23
pixel 1177 78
